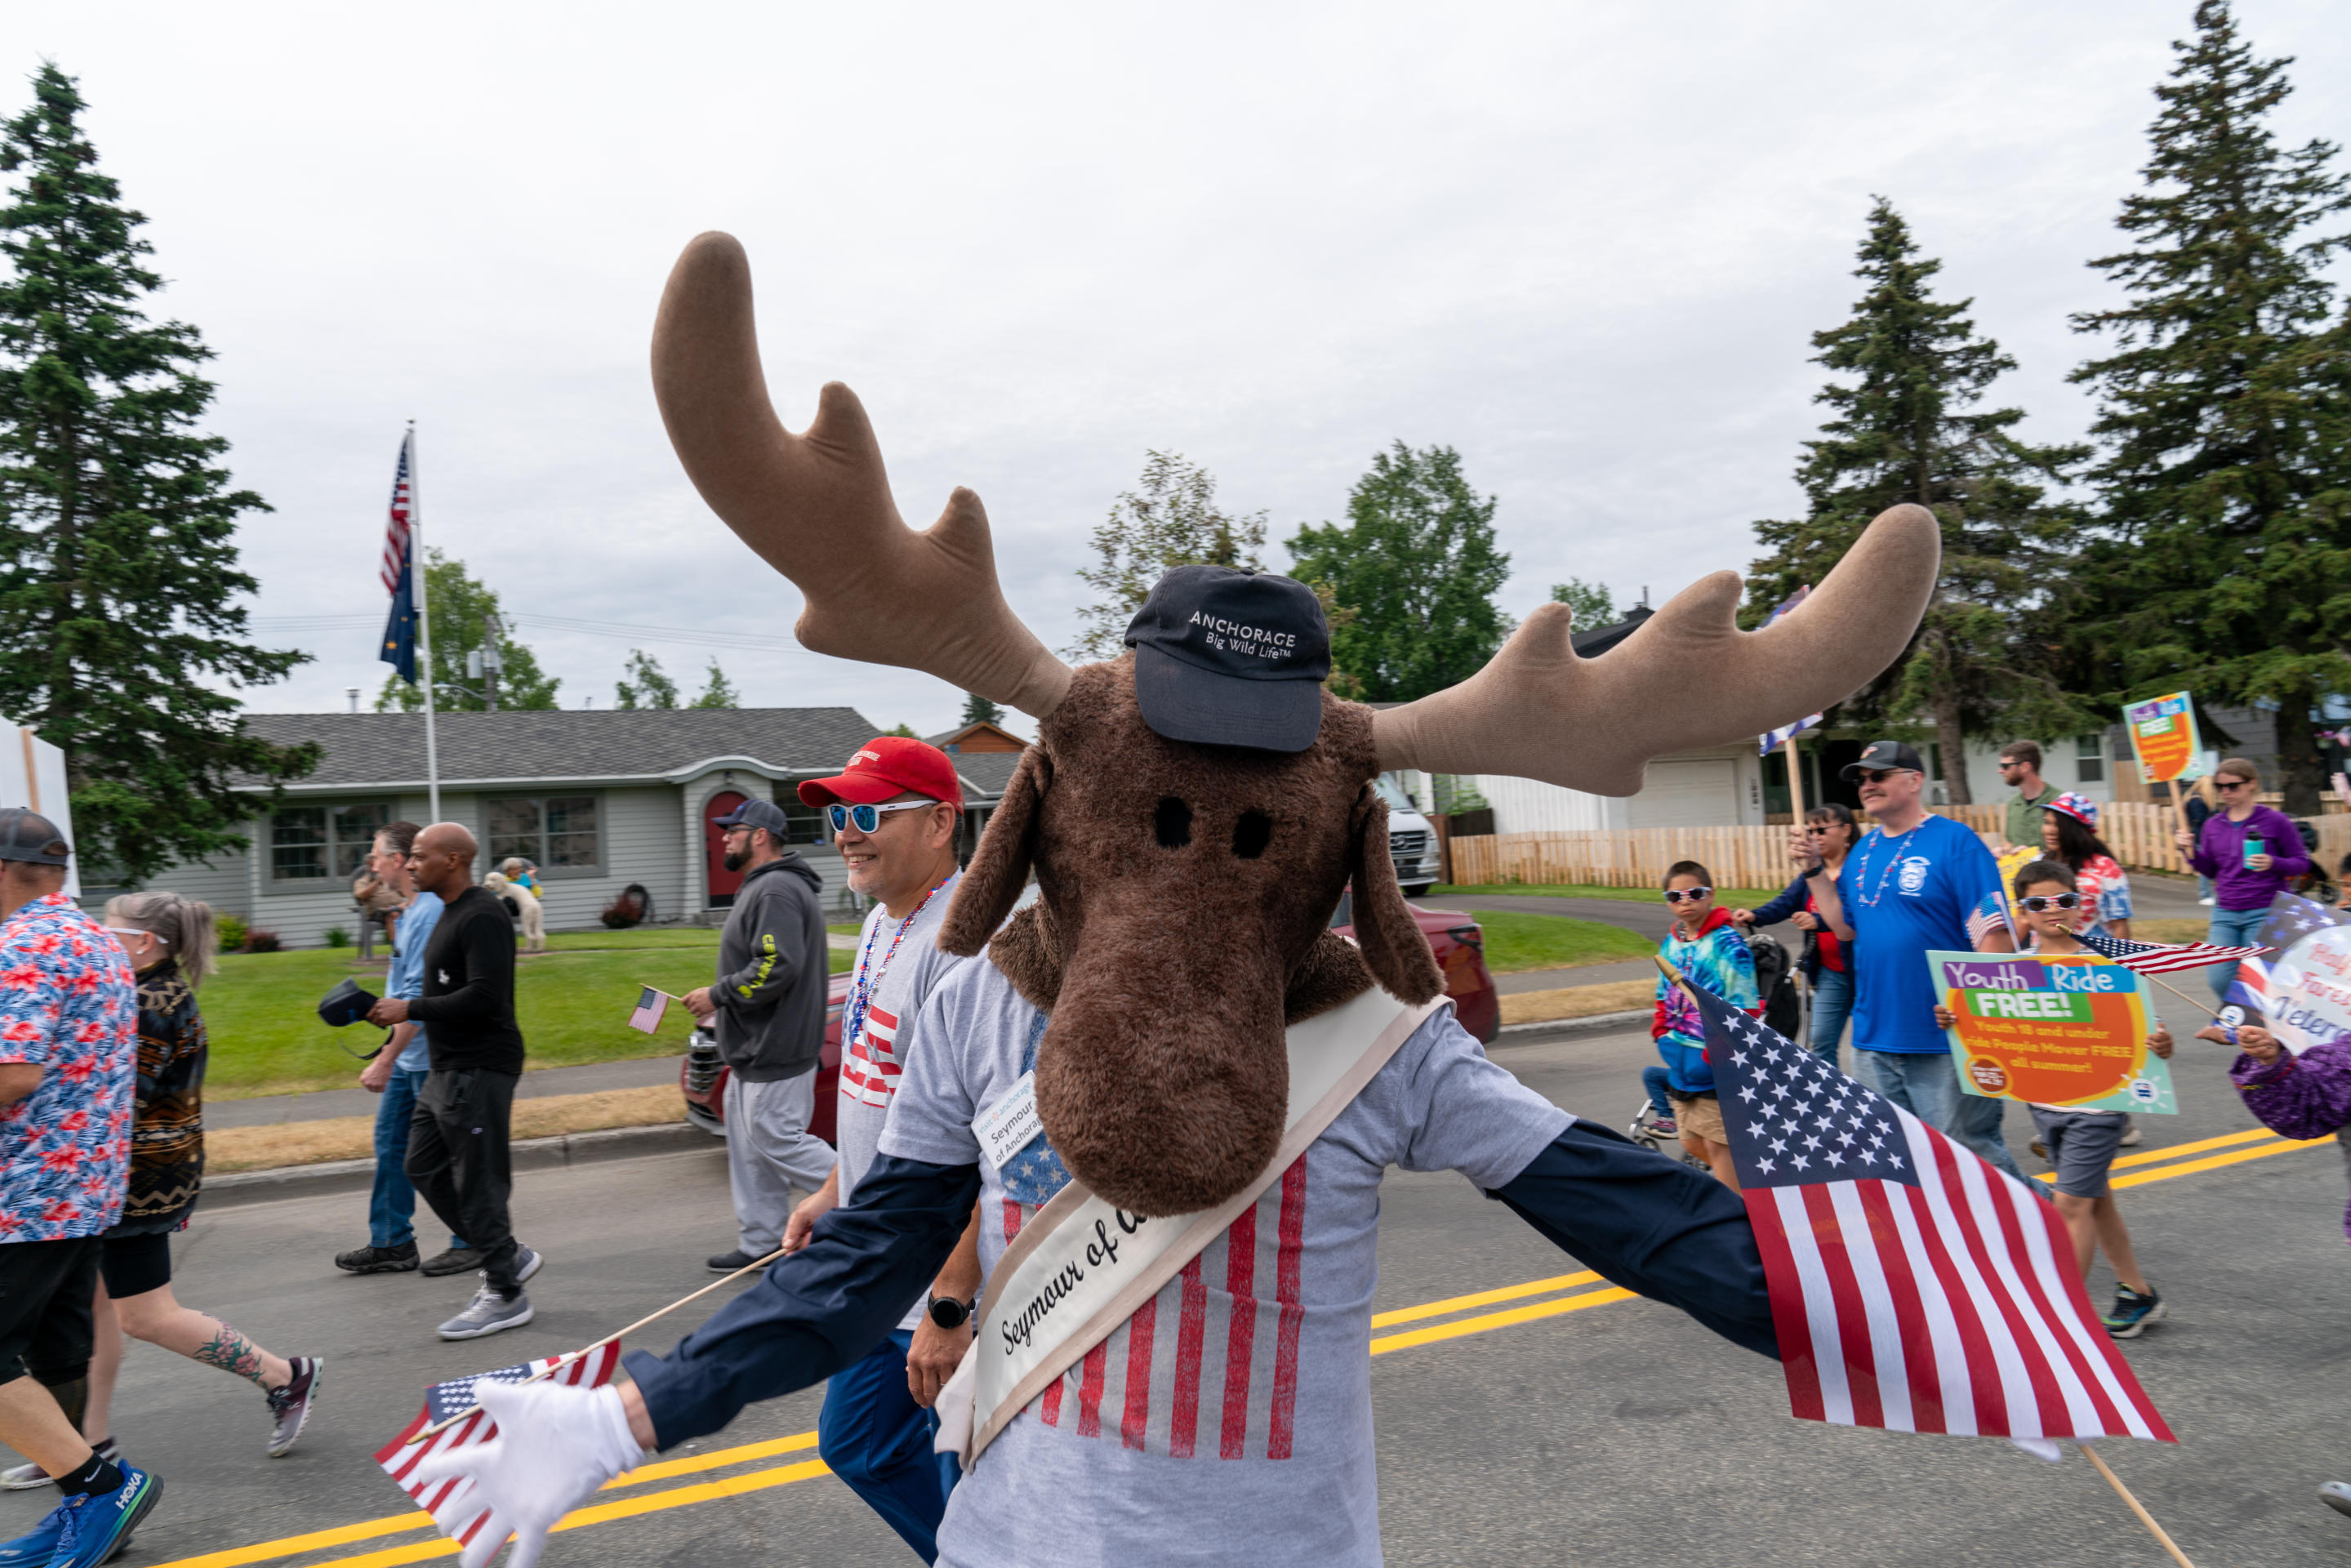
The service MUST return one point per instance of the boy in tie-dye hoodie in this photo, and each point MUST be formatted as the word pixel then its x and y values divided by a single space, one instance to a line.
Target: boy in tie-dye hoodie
pixel 1712 954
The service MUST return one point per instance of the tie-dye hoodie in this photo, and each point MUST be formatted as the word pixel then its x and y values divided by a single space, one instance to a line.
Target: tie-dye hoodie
pixel 1719 961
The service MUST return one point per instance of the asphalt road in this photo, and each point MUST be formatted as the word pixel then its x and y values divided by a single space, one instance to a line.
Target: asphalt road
pixel 1617 1435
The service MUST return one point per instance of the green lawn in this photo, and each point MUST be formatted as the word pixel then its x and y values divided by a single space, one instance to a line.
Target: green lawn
pixel 1515 941
pixel 573 1003
pixel 1729 897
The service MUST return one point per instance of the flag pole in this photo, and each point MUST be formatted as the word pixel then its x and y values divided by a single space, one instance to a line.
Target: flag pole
pixel 2144 1517
pixel 424 624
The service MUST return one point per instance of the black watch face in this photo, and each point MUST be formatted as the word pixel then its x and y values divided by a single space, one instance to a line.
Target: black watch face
pixel 947 1313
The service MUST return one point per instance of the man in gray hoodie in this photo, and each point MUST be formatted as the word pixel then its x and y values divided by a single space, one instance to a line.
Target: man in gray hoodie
pixel 768 1002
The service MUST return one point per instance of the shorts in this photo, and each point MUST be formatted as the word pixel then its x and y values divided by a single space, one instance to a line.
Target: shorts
pixel 45 1299
pixel 2082 1144
pixel 134 1265
pixel 1699 1114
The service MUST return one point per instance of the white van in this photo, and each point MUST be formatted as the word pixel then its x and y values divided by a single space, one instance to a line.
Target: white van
pixel 1412 838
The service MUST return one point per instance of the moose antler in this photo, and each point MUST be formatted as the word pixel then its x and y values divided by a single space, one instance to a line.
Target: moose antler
pixel 818 508
pixel 1688 678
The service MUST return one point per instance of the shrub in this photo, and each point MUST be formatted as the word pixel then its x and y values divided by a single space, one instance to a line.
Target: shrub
pixel 231 930
pixel 338 938
pixel 624 912
pixel 259 941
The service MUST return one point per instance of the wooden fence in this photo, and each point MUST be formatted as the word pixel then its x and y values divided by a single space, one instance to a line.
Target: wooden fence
pixel 2138 833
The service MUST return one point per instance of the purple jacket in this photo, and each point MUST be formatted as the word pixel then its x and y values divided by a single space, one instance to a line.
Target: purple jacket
pixel 2220 855
pixel 2306 1096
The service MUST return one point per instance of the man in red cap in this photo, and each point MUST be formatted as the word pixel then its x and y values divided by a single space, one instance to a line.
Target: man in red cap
pixel 894 811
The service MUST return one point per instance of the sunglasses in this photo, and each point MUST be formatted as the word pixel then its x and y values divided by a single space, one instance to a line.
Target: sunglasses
pixel 2042 902
pixel 135 931
pixel 868 818
pixel 1880 775
pixel 1690 895
pixel 2233 783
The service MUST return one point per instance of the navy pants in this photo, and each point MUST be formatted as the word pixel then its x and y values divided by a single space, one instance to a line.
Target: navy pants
pixel 876 1438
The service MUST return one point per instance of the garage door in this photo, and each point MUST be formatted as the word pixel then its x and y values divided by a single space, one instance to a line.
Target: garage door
pixel 1698 794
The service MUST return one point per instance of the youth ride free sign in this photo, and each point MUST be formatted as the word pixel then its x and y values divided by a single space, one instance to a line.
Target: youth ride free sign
pixel 2163 734
pixel 2053 1030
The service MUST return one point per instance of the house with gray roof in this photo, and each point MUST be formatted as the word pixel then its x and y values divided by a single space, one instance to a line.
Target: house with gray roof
pixel 601 800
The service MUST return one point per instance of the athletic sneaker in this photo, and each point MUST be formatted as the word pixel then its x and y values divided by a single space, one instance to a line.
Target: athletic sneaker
pixel 728 1262
pixel 2131 1135
pixel 488 1313
pixel 456 1260
pixel 94 1528
pixel 289 1408
pixel 372 1260
pixel 1666 1127
pixel 26 1477
pixel 2039 1150
pixel 2133 1311
pixel 2336 1495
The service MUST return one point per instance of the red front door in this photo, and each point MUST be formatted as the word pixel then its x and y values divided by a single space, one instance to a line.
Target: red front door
pixel 723 883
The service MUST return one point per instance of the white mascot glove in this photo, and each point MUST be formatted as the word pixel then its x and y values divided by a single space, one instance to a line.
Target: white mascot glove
pixel 555 1446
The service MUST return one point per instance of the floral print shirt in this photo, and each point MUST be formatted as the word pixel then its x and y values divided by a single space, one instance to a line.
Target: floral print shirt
pixel 69 1006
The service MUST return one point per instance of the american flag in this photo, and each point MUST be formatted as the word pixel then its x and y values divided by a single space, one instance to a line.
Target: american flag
pixel 399 557
pixel 2162 958
pixel 455 1505
pixel 2292 917
pixel 1771 739
pixel 1990 915
pixel 395 534
pixel 1914 1286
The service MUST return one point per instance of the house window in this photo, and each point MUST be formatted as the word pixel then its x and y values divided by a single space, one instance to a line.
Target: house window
pixel 2090 759
pixel 803 824
pixel 324 844
pixel 561 834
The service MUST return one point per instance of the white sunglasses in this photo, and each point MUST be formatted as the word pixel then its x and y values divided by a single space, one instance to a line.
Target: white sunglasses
pixel 135 931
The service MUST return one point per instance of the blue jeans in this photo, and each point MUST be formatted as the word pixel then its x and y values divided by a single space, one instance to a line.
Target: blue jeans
pixel 1832 1004
pixel 876 1438
pixel 2231 928
pixel 1654 1081
pixel 1926 1085
pixel 393 1199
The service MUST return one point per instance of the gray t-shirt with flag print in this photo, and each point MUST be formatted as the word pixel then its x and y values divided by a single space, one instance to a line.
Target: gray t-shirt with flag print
pixel 1229 1420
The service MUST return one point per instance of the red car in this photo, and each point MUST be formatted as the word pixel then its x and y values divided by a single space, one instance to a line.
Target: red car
pixel 1459 945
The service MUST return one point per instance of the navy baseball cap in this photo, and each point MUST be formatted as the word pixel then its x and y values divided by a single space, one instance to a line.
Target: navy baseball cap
pixel 1881 756
pixel 27 835
pixel 756 813
pixel 1230 657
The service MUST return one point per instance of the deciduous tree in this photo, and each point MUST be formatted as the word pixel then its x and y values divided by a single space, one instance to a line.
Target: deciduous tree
pixel 457 611
pixel 644 683
pixel 718 690
pixel 1170 519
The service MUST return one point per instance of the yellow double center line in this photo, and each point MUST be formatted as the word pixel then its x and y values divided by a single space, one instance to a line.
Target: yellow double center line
pixel 1561 1294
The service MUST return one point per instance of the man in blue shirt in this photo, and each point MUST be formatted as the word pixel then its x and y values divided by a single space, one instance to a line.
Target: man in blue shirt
pixel 396 1073
pixel 1905 890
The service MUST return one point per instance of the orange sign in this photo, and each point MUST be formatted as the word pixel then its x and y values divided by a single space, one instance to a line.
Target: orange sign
pixel 2163 734
pixel 2053 1030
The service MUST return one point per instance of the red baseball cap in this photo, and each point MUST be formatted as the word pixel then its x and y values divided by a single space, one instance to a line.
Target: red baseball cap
pixel 884 766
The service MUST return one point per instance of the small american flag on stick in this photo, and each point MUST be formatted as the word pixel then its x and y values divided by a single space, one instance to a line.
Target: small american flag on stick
pixel 651 1004
pixel 2163 958
pixel 1914 1286
pixel 453 1504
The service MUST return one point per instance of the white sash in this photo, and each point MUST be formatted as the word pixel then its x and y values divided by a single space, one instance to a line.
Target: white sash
pixel 1081 1267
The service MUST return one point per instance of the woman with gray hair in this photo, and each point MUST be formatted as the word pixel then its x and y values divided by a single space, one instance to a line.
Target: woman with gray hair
pixel 171 942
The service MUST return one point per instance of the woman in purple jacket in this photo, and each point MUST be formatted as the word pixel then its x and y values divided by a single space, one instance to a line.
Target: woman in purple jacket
pixel 2251 852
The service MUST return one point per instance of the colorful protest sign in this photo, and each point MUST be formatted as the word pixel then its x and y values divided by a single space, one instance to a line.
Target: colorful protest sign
pixel 2302 995
pixel 2054 1030
pixel 2163 734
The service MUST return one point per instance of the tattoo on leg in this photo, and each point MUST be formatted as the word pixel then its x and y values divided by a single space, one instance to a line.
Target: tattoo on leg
pixel 231 1352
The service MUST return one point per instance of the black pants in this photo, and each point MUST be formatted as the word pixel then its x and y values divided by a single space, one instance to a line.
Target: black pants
pixel 46 1289
pixel 457 1158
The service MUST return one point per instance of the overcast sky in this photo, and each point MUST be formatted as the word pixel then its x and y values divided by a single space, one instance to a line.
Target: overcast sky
pixel 1584 245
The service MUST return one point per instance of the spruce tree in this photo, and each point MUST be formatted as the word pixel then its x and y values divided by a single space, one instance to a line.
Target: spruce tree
pixel 1908 427
pixel 1170 519
pixel 458 608
pixel 978 709
pixel 2226 463
pixel 1416 564
pixel 718 690
pixel 118 557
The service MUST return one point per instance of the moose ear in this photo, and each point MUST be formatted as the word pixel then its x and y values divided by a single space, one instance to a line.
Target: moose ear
pixel 1000 867
pixel 1399 955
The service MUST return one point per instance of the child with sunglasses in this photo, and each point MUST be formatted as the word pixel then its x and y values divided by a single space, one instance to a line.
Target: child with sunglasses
pixel 2082 1143
pixel 1706 945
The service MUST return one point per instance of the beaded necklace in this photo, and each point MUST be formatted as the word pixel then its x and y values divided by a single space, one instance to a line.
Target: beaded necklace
pixel 1894 857
pixel 861 989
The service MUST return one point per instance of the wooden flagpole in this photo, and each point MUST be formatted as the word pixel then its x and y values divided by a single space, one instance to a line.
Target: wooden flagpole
pixel 591 1348
pixel 2144 1517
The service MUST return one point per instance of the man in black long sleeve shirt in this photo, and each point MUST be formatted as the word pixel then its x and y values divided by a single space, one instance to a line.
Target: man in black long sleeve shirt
pixel 457 1154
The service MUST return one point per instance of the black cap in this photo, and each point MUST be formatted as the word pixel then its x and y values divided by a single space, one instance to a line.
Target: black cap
pixel 1882 755
pixel 346 1004
pixel 28 836
pixel 1228 658
pixel 756 813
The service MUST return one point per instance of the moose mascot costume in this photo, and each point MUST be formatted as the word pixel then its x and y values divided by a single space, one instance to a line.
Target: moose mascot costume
pixel 1171 1089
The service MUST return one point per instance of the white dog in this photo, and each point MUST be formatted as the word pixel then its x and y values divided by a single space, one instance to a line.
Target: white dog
pixel 534 923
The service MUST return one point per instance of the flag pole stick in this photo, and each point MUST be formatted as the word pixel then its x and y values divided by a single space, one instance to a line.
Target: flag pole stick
pixel 592 1347
pixel 2144 1518
pixel 423 622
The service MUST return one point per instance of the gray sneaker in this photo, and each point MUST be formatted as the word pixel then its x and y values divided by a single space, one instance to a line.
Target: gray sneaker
pixel 488 1313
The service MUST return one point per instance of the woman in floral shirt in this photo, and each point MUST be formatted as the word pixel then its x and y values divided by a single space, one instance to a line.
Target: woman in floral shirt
pixel 2069 832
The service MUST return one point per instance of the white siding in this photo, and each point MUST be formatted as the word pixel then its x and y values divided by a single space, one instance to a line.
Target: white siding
pixel 1712 789
pixel 1527 806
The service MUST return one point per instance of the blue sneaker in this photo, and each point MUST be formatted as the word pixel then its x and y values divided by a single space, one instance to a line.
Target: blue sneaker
pixel 35 1550
pixel 95 1527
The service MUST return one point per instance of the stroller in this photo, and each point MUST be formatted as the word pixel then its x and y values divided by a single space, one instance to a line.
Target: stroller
pixel 1783 1011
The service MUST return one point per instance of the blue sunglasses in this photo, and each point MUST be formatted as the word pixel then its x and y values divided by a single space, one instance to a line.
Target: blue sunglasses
pixel 868 818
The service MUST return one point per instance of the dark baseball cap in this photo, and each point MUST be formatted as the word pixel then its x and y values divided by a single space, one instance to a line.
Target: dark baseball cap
pixel 345 1004
pixel 27 835
pixel 1231 657
pixel 1882 755
pixel 756 813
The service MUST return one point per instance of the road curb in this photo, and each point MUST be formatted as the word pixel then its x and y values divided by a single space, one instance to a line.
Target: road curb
pixel 241 1187
pixel 1598 1023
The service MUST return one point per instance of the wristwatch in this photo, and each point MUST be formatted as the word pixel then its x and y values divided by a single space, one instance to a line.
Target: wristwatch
pixel 950 1313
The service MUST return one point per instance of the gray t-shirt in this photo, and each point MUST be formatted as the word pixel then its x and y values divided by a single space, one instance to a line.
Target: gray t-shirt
pixel 1229 1420
pixel 891 988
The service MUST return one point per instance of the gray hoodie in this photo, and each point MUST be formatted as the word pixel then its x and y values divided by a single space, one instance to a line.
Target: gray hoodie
pixel 772 972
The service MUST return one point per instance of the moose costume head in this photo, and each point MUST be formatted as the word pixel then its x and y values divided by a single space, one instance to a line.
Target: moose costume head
pixel 1186 885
